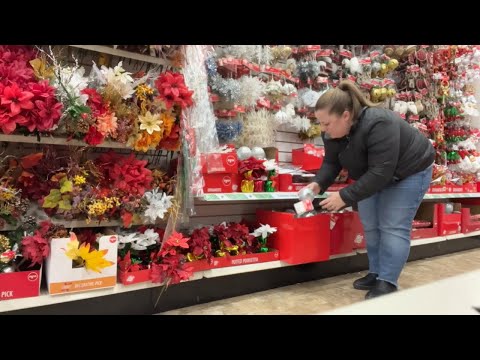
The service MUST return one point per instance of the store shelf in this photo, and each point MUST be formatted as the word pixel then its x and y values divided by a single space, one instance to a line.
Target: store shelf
pixel 429 240
pixel 452 196
pixel 232 270
pixel 74 224
pixel 124 54
pixel 293 196
pixel 251 196
pixel 46 299
pixel 50 140
pixel 461 235
pixel 353 253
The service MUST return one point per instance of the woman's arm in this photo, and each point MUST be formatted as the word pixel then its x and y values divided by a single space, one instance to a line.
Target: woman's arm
pixel 383 146
pixel 331 166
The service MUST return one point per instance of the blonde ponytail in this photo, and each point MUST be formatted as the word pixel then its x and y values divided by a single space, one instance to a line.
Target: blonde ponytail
pixel 345 97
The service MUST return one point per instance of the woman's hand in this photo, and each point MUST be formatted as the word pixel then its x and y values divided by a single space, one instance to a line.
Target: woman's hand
pixel 314 187
pixel 333 202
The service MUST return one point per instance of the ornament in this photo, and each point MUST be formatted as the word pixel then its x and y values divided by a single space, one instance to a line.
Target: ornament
pixel 391 93
pixel 375 94
pixel 244 153
pixel 258 153
pixel 306 194
pixel 449 208
pixel 392 64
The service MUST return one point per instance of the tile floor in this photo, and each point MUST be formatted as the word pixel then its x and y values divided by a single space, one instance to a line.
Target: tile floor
pixel 328 294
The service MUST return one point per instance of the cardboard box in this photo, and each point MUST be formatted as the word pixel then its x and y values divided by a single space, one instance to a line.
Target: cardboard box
pixel 63 278
pixel 426 212
pixel 20 284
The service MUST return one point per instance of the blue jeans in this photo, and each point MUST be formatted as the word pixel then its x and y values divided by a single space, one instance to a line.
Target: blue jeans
pixel 387 220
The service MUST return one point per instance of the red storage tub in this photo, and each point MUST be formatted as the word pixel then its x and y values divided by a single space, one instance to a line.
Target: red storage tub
pixel 346 233
pixel 449 224
pixel 298 240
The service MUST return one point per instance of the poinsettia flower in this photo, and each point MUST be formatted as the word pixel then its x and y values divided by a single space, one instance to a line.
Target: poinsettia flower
pixel 177 239
pixel 16 99
pixel 8 123
pixel 172 90
pixel 93 137
pixel 264 231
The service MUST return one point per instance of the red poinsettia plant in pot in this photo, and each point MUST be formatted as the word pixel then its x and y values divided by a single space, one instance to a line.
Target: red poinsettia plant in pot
pixel 169 265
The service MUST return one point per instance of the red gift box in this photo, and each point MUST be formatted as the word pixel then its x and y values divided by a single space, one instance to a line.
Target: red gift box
pixel 285 182
pixel 449 224
pixel 426 212
pixel 20 284
pixel 470 187
pixel 220 183
pixel 299 240
pixel 309 157
pixel 219 163
pixel 438 189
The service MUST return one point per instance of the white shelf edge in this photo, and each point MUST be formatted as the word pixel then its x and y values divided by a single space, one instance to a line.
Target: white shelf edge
pixel 279 195
pixel 124 54
pixel 45 299
pixel 332 257
pixel 50 140
pixel 232 270
pixel 427 241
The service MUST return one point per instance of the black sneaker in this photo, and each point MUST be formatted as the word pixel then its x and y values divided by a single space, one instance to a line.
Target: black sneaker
pixel 381 288
pixel 365 283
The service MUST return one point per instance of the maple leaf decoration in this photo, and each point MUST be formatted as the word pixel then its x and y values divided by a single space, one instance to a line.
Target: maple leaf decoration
pixel 173 91
pixel 92 260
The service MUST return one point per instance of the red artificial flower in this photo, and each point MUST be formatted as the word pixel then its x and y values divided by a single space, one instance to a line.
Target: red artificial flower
pixel 41 89
pixel 200 244
pixel 35 248
pixel 177 239
pixel 172 89
pixel 125 263
pixel 93 137
pixel 87 236
pixel 48 113
pixel 95 102
pixel 16 99
pixel 127 218
pixel 126 174
pixel 8 124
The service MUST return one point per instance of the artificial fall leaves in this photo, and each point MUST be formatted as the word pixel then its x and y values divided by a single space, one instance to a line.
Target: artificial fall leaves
pixel 83 255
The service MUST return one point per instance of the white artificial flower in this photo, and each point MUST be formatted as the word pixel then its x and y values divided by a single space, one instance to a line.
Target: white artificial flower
pixel 148 238
pixel 270 164
pixel 159 203
pixel 264 231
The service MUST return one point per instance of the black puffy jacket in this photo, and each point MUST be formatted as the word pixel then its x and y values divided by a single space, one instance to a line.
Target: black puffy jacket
pixel 381 148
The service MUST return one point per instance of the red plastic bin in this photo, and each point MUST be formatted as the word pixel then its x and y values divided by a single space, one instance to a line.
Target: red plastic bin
pixel 298 240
